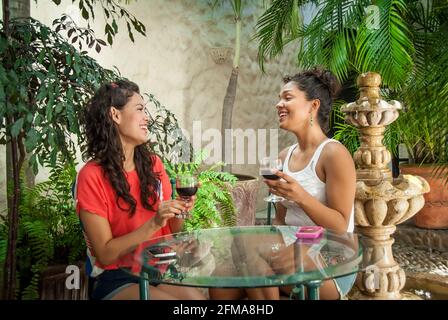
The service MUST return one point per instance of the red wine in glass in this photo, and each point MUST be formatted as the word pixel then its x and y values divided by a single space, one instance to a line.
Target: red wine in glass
pixel 267 168
pixel 186 187
pixel 186 192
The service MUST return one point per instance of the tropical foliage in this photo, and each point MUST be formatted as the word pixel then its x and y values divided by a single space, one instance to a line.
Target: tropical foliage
pixel 113 12
pixel 44 83
pixel 166 137
pixel 214 204
pixel 45 90
pixel 49 231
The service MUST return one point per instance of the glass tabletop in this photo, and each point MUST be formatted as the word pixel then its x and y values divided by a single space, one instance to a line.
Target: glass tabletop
pixel 253 256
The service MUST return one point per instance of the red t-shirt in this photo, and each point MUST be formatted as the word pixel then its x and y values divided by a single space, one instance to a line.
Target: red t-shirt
pixel 95 194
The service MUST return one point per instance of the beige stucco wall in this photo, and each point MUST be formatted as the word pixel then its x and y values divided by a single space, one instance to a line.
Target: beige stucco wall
pixel 173 62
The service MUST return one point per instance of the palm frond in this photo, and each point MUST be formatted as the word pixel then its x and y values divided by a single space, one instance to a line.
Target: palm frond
pixel 329 39
pixel 424 123
pixel 407 45
pixel 278 26
pixel 348 136
pixel 426 24
pixel 345 133
pixel 389 48
pixel 337 57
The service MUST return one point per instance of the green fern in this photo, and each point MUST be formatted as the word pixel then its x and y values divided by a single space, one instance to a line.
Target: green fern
pixel 36 235
pixel 48 231
pixel 214 205
pixel 228 211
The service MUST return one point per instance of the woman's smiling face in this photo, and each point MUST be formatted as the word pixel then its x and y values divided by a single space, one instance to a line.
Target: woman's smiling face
pixel 293 108
pixel 132 121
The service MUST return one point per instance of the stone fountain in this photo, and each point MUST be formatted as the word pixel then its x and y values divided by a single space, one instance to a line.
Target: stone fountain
pixel 381 201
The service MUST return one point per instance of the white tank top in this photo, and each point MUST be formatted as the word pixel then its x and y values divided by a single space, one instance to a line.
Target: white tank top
pixel 309 180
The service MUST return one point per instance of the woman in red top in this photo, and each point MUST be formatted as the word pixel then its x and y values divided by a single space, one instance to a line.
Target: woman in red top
pixel 123 194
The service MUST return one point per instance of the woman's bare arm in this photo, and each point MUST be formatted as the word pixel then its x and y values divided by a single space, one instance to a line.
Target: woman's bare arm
pixel 109 249
pixel 340 190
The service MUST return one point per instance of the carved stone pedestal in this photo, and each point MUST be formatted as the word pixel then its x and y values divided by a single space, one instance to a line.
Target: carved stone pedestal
pixel 381 202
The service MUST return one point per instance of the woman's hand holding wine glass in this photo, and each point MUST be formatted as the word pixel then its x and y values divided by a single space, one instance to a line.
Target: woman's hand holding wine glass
pixel 268 167
pixel 186 187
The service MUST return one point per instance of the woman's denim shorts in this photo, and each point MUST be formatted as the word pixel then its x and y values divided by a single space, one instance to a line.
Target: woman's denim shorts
pixel 110 282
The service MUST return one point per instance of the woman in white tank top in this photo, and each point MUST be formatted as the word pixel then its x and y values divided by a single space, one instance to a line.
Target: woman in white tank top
pixel 312 184
pixel 318 178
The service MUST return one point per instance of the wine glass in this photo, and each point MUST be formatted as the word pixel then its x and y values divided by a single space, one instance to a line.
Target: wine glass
pixel 267 166
pixel 186 187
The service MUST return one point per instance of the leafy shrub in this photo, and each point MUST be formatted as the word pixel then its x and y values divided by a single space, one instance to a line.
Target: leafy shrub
pixel 49 230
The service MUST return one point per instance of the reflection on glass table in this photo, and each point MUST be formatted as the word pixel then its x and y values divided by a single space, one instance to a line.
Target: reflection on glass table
pixel 245 257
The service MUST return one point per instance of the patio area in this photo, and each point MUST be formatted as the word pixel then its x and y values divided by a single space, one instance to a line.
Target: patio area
pixel 423 255
pixel 215 99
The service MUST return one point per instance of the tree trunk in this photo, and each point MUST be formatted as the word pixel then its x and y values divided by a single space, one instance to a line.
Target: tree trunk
pixel 15 9
pixel 229 100
pixel 227 111
pixel 9 281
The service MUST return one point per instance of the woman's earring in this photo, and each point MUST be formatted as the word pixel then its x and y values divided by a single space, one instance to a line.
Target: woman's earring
pixel 311 120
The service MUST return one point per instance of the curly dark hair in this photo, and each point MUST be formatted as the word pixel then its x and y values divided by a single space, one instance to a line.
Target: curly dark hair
pixel 318 83
pixel 104 145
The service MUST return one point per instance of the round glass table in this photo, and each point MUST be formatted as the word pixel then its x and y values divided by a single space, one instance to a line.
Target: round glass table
pixel 244 257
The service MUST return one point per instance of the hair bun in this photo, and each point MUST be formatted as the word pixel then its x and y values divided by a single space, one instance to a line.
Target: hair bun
pixel 329 80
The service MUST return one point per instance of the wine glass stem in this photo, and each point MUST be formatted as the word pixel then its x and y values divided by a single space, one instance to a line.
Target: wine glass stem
pixel 186 200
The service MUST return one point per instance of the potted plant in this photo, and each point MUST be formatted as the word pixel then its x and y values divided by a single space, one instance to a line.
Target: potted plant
pixel 41 112
pixel 48 235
